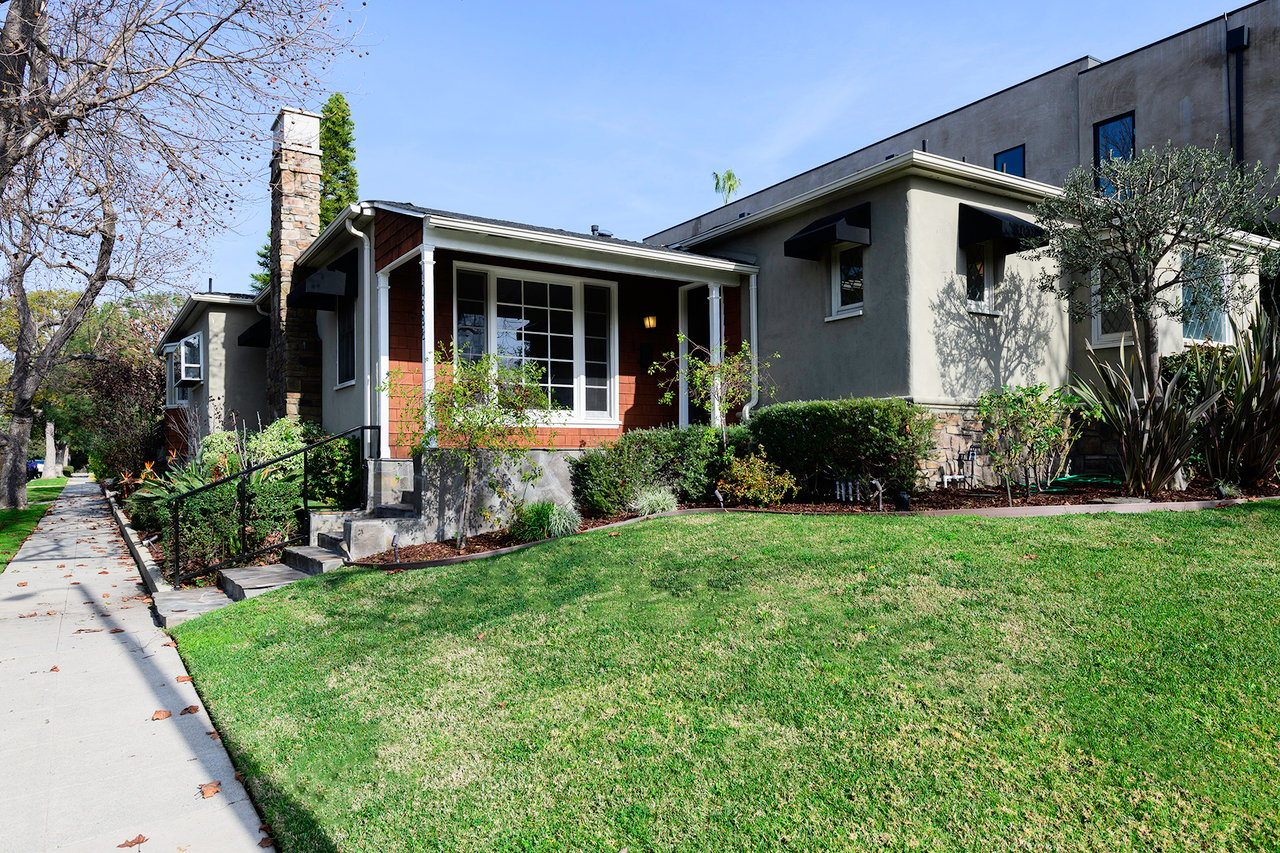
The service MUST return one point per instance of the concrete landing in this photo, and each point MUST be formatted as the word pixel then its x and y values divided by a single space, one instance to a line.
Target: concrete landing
pixel 240 584
pixel 83 671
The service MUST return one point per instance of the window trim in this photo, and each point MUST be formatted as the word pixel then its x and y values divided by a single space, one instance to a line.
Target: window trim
pixel 578 416
pixel 995 160
pixel 1228 338
pixel 1097 150
pixel 1096 336
pixel 184 365
pixel 838 312
pixel 986 305
pixel 171 387
pixel 338 382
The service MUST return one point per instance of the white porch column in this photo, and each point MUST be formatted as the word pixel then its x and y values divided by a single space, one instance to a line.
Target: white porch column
pixel 384 362
pixel 716 338
pixel 428 325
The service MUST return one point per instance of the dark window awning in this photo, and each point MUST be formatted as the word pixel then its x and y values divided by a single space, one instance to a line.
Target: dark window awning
pixel 1010 233
pixel 317 288
pixel 814 240
pixel 257 335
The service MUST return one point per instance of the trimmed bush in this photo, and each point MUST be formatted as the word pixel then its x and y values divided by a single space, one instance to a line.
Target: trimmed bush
pixel 687 462
pixel 544 520
pixel 220 453
pixel 653 500
pixel 862 439
pixel 755 481
pixel 333 470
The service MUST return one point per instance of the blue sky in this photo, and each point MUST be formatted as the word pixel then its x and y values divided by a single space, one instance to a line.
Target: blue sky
pixel 568 114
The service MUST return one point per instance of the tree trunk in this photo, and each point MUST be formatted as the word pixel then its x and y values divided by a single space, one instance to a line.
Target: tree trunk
pixel 13 465
pixel 1150 357
pixel 64 454
pixel 51 468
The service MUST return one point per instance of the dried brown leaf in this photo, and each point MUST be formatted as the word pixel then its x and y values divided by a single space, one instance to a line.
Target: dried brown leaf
pixel 161 715
pixel 190 709
pixel 183 678
pixel 134 842
pixel 208 789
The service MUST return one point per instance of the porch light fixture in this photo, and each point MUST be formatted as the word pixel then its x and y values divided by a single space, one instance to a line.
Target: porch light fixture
pixel 651 322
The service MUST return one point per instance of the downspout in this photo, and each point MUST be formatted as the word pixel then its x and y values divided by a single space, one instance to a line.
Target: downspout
pixel 366 279
pixel 755 349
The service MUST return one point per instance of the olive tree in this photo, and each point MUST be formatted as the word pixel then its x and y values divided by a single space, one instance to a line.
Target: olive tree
pixel 1134 235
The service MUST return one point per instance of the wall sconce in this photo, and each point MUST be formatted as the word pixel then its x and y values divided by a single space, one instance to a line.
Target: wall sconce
pixel 651 322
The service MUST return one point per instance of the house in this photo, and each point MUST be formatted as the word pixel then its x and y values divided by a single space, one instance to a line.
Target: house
pixel 215 372
pixel 897 270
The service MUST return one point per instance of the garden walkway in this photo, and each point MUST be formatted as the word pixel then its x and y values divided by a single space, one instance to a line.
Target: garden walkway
pixel 83 672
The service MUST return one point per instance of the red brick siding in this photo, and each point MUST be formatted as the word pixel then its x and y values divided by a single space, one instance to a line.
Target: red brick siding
pixel 638 297
pixel 394 235
pixel 405 350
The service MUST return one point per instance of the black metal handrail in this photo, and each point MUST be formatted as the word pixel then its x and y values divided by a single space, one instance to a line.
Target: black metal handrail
pixel 243 503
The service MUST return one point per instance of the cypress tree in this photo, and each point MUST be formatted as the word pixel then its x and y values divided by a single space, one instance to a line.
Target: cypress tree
pixel 339 185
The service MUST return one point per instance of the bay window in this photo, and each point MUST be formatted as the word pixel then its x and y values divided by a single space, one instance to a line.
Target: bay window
pixel 566 326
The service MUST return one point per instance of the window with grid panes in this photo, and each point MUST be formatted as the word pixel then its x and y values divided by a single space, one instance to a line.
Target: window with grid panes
pixel 557 325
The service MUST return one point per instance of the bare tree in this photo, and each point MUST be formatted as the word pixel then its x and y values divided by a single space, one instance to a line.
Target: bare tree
pixel 128 131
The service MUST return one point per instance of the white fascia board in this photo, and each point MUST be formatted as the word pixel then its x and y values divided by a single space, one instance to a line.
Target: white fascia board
pixel 656 265
pixel 190 308
pixel 911 163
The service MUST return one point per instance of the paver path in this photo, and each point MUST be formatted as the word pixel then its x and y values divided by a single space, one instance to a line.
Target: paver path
pixel 83 668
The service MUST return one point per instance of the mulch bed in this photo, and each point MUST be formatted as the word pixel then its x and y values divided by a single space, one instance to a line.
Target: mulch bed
pixel 934 499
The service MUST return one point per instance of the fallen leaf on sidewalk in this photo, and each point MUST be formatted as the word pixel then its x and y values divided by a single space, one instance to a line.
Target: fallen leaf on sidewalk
pixel 208 789
pixel 116 631
pixel 170 643
pixel 134 842
pixel 25 615
pixel 75 583
pixel 51 613
pixel 22 583
pixel 104 572
pixel 183 678
pixel 87 631
pixel 266 842
pixel 55 669
pixel 161 715
pixel 214 735
pixel 190 709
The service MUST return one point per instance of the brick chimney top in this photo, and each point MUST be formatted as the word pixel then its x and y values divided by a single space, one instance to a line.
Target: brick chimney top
pixel 296 130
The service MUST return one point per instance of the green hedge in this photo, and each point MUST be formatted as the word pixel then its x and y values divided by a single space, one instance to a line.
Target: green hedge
pixel 855 439
pixel 687 461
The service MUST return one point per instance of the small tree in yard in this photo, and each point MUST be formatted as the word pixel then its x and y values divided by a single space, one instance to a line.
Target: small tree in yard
pixel 1029 433
pixel 717 387
pixel 1132 234
pixel 482 413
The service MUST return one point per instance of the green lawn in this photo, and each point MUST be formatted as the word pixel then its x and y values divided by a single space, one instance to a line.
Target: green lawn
pixel 748 682
pixel 16 524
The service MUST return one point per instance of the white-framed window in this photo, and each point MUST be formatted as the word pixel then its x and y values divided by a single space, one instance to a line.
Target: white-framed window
pixel 1112 326
pixel 847 294
pixel 190 358
pixel 176 395
pixel 345 349
pixel 1204 301
pixel 567 326
pixel 980 276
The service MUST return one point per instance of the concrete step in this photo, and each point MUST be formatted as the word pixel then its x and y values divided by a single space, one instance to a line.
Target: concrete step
pixel 331 542
pixel 400 510
pixel 176 606
pixel 250 581
pixel 312 560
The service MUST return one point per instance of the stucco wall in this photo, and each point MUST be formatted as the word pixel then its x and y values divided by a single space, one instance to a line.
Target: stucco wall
pixel 243 370
pixel 863 356
pixel 958 354
pixel 343 408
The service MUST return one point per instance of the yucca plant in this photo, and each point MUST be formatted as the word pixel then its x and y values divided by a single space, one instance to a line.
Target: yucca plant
pixel 1156 433
pixel 1241 433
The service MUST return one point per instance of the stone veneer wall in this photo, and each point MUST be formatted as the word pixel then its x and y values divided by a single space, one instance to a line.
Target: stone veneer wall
pixel 294 367
pixel 958 429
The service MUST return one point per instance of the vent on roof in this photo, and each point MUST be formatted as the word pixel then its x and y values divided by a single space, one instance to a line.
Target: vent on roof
pixel 597 231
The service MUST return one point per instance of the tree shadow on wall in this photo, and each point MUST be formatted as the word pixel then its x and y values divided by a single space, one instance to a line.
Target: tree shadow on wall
pixel 1006 345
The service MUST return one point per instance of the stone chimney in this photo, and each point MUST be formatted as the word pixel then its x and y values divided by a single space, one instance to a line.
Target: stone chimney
pixel 293 359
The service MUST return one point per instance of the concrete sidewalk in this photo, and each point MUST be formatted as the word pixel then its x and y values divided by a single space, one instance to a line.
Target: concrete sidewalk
pixel 83 669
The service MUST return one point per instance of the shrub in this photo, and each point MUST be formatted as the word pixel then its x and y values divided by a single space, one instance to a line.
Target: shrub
pixel 855 439
pixel 544 520
pixel 687 462
pixel 220 453
pixel 68 470
pixel 279 437
pixel 1156 433
pixel 1029 433
pixel 755 481
pixel 333 470
pixel 1238 441
pixel 653 500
